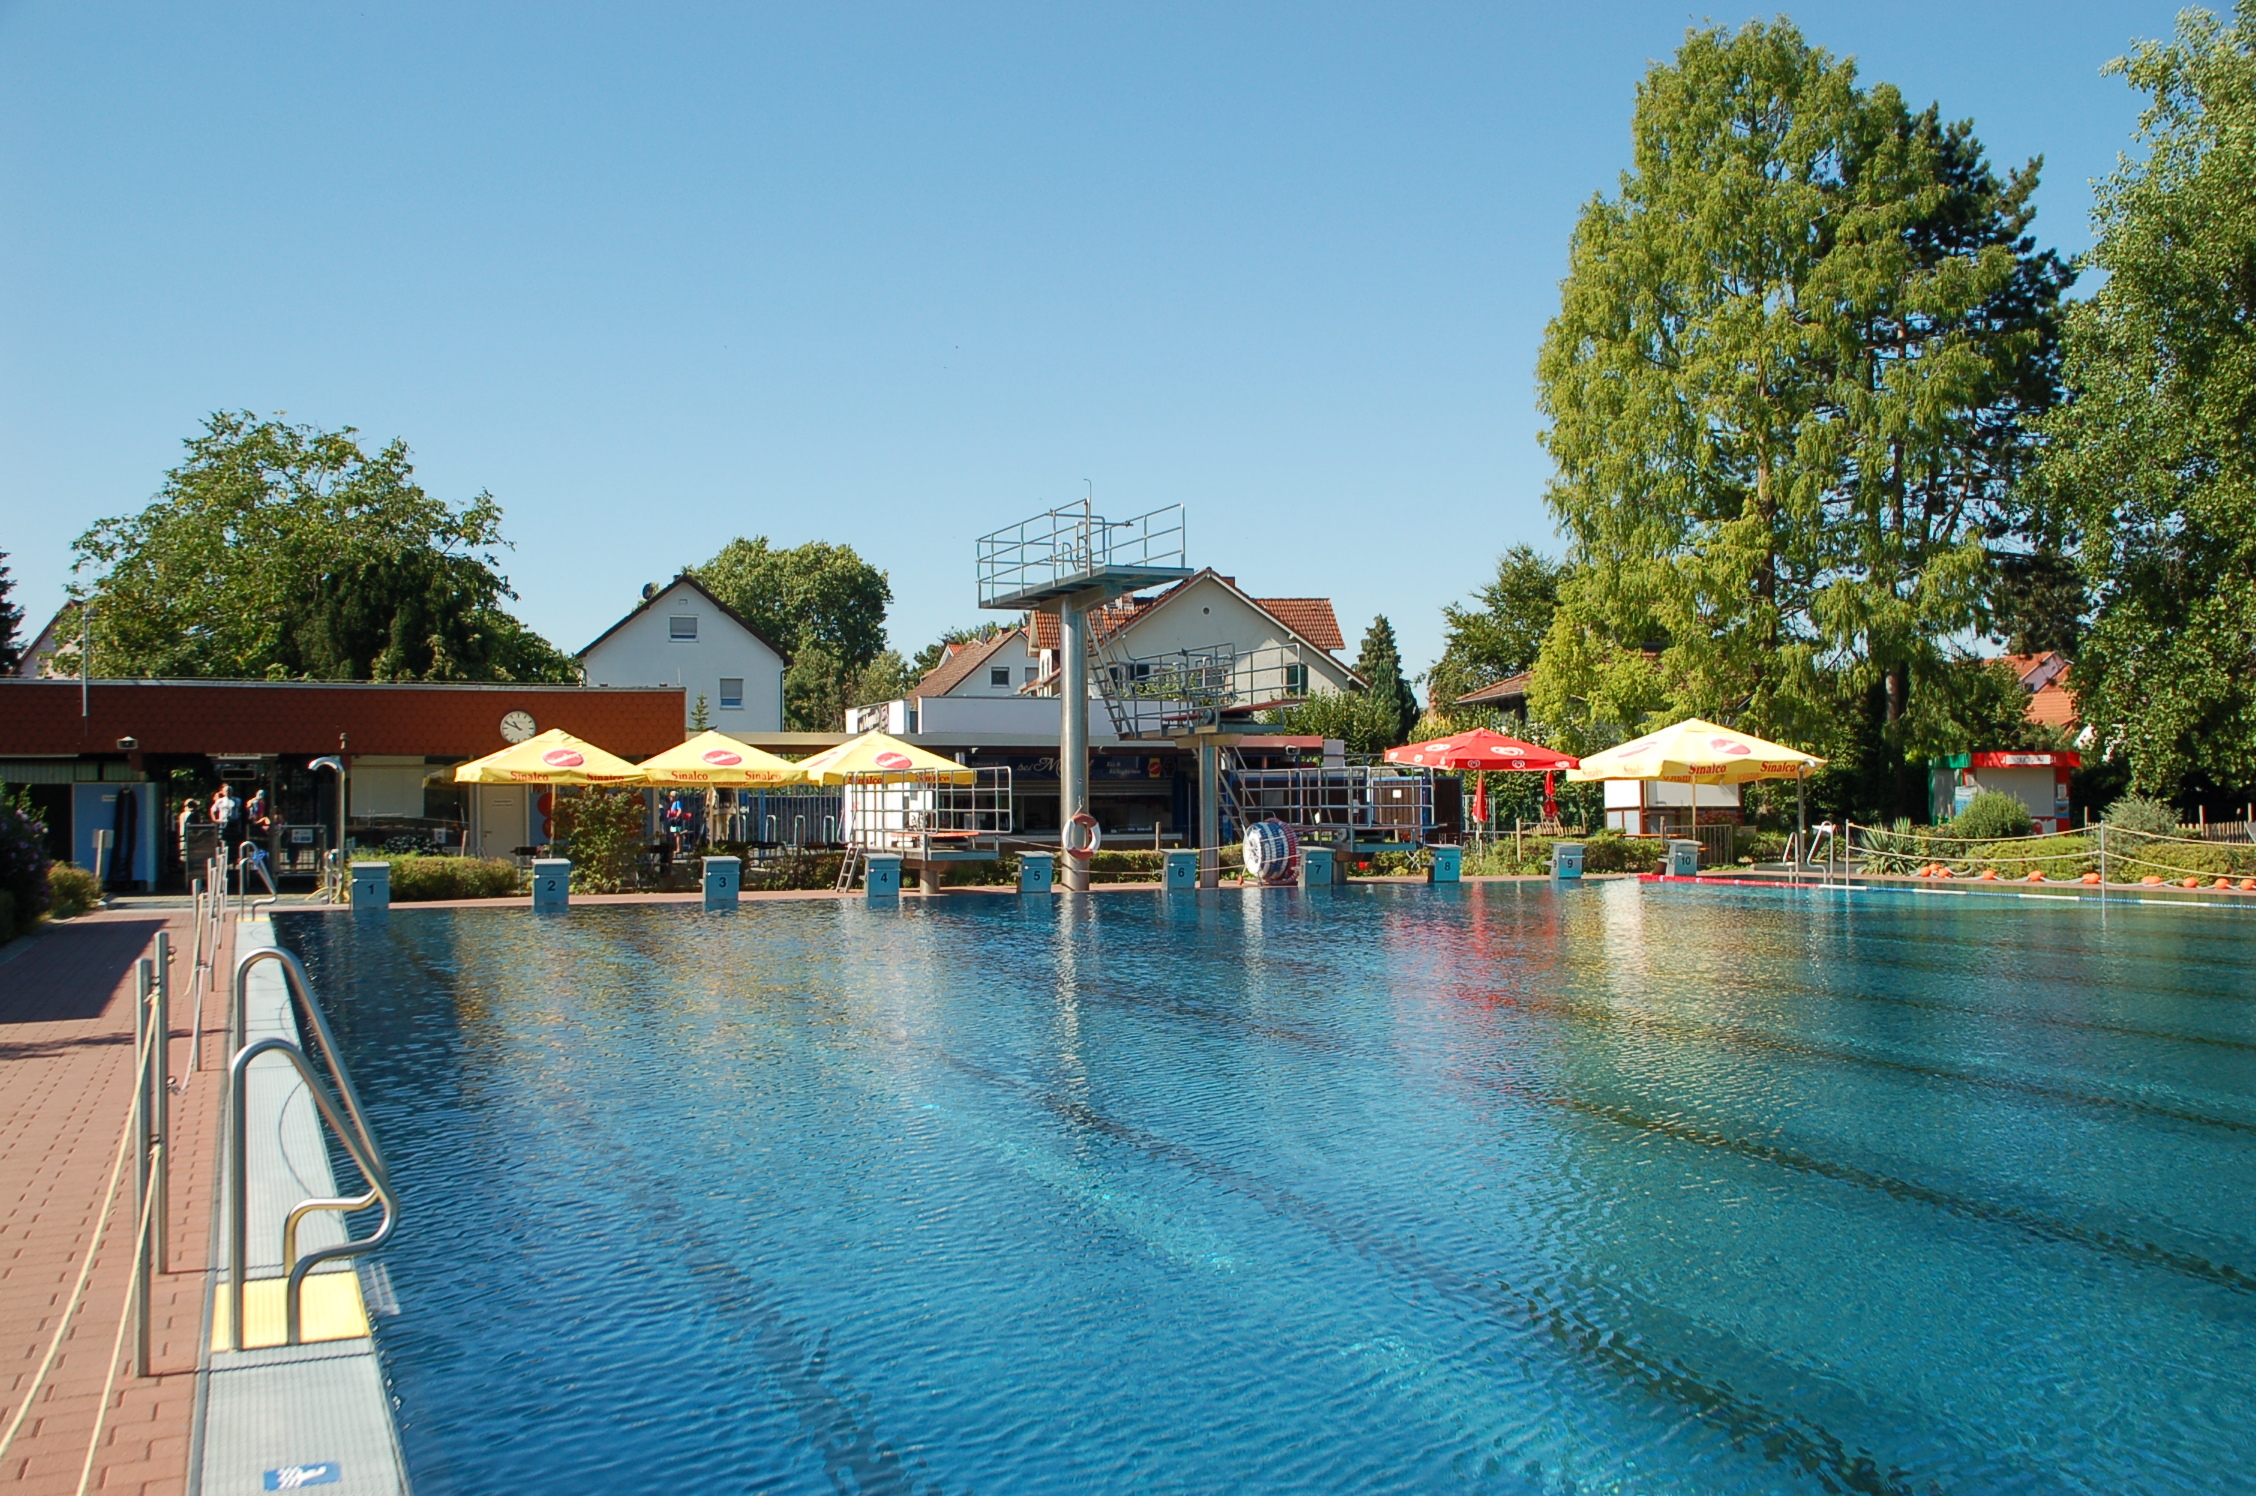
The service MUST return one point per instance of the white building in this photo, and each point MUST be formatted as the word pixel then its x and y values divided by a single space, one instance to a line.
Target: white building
pixel 682 635
pixel 1283 646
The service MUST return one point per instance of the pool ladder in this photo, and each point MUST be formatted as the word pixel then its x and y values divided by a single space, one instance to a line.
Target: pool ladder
pixel 339 1108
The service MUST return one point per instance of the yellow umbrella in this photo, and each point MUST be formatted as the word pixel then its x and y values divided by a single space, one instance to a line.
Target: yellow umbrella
pixel 713 758
pixel 876 755
pixel 1697 752
pixel 552 757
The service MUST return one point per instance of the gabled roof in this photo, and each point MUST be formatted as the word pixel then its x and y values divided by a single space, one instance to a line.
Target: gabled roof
pixel 2045 677
pixel 686 580
pixel 960 662
pixel 43 645
pixel 1309 619
pixel 1510 688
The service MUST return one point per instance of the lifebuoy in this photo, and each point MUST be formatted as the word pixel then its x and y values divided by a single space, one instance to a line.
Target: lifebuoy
pixel 1087 823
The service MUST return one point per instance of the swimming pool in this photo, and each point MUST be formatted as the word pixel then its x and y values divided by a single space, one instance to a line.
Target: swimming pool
pixel 1496 1188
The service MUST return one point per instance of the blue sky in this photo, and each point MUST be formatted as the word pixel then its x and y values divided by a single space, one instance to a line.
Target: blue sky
pixel 891 276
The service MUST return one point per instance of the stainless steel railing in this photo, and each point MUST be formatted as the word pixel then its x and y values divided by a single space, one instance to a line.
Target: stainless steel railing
pixel 339 1107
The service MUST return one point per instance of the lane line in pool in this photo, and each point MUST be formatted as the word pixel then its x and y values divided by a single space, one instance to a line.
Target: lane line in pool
pixel 1783 1436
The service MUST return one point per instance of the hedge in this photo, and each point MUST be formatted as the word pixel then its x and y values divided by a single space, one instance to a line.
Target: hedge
pixel 417 880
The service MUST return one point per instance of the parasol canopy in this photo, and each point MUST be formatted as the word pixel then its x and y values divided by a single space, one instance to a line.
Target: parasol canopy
pixel 714 758
pixel 1697 752
pixel 1480 749
pixel 880 756
pixel 552 757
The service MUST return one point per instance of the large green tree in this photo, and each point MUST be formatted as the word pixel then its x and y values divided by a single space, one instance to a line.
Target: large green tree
pixel 1501 636
pixel 282 551
pixel 817 593
pixel 822 604
pixel 2154 455
pixel 1788 386
pixel 1379 662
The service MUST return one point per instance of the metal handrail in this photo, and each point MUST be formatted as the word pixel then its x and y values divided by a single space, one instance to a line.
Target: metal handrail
pixel 364 1153
pixel 350 1124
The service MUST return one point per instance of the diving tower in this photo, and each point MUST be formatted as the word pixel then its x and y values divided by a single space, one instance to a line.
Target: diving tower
pixel 1067 561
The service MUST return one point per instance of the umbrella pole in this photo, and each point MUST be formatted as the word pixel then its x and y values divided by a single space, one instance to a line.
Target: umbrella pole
pixel 1801 821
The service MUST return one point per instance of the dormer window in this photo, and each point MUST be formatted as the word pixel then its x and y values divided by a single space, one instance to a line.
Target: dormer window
pixel 999 677
pixel 682 630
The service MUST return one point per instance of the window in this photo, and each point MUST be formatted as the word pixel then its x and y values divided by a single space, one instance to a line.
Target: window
pixel 1033 674
pixel 999 677
pixel 732 694
pixel 1296 680
pixel 682 630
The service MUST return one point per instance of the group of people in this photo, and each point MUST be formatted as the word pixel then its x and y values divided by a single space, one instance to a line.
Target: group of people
pixel 239 821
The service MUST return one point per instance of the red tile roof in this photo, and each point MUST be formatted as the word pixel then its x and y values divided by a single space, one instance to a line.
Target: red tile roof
pixel 1510 688
pixel 41 717
pixel 1311 618
pixel 2045 677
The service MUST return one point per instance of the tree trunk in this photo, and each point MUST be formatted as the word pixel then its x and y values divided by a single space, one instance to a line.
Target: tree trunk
pixel 1898 681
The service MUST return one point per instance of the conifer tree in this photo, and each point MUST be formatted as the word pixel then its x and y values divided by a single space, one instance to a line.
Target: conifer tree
pixel 1380 663
pixel 1788 386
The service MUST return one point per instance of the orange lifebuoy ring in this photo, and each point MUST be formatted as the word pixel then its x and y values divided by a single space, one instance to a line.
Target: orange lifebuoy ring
pixel 1088 823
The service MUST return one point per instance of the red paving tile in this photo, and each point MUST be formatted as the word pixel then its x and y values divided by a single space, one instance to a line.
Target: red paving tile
pixel 66 1080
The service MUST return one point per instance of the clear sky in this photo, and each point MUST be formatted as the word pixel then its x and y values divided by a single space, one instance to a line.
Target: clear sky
pixel 885 275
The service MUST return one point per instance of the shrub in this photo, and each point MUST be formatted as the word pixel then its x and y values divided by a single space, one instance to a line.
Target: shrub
pixel 801 870
pixel 605 832
pixel 72 890
pixel 418 880
pixel 1990 816
pixel 24 864
pixel 2140 814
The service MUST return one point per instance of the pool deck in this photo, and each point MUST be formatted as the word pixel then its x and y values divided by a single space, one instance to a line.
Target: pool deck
pixel 66 1081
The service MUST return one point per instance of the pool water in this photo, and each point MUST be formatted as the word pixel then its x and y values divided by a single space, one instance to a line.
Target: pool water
pixel 1504 1188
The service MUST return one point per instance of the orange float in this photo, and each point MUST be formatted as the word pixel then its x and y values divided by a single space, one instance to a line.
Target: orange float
pixel 2152 880
pixel 2091 877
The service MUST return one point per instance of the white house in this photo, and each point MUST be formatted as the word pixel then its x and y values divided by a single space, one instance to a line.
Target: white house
pixel 1283 645
pixel 682 635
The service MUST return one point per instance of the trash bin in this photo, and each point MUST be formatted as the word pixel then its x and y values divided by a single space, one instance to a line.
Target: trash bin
pixel 1566 859
pixel 1683 859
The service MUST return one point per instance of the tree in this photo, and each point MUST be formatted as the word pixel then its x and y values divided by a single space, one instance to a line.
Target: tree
pixel 817 593
pixel 815 687
pixel 1363 721
pixel 11 622
pixel 1380 664
pixel 1503 635
pixel 2152 455
pixel 1788 385
pixel 282 551
pixel 886 678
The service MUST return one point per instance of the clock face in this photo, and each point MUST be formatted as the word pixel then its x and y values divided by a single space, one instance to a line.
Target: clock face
pixel 517 726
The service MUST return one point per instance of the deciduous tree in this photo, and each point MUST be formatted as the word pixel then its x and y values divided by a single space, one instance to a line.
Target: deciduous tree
pixel 1503 634
pixel 283 551
pixel 1788 385
pixel 2154 455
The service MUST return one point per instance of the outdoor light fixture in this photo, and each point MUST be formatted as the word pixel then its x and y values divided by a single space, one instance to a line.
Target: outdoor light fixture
pixel 128 745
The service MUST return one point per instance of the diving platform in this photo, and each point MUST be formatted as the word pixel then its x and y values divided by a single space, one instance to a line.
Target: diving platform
pixel 1073 551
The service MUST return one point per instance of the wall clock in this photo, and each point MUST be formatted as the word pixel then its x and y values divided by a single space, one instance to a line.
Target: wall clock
pixel 517 726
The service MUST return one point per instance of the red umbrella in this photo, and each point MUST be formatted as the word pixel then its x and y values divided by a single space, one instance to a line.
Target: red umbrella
pixel 1482 749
